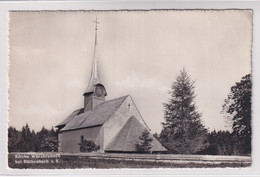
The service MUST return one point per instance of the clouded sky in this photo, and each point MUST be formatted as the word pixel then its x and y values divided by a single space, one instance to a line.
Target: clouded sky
pixel 139 53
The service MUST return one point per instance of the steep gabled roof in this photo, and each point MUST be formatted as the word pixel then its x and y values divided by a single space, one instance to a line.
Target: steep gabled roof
pixel 127 138
pixel 95 117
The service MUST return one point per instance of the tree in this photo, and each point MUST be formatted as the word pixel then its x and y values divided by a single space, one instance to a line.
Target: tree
pixel 48 140
pixel 145 144
pixel 14 139
pixel 41 136
pixel 49 144
pixel 237 106
pixel 34 141
pixel 26 139
pixel 220 143
pixel 183 132
pixel 53 133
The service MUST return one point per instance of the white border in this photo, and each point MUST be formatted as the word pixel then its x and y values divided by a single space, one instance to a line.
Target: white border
pixel 5 6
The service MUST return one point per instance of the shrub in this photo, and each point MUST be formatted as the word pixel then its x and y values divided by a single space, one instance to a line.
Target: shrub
pixel 88 146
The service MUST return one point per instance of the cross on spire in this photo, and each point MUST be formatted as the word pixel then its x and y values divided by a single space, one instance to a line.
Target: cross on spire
pixel 96 21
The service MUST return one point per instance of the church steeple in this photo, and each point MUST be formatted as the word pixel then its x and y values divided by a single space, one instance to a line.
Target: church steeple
pixel 96 92
pixel 94 77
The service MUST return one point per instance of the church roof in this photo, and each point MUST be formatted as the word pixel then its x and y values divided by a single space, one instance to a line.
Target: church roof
pixel 98 116
pixel 70 117
pixel 128 137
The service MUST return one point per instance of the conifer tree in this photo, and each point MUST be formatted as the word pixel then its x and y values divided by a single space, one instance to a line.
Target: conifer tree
pixel 14 139
pixel 27 139
pixel 237 108
pixel 145 144
pixel 183 132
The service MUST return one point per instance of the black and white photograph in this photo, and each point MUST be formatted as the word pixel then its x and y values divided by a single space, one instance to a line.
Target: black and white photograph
pixel 130 89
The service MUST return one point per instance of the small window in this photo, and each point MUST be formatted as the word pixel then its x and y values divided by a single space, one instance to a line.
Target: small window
pixel 81 138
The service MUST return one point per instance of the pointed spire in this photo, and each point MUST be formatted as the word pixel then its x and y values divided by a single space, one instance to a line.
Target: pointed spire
pixel 94 78
pixel 96 31
pixel 94 73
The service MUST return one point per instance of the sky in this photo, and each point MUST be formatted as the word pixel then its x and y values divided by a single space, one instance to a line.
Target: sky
pixel 140 53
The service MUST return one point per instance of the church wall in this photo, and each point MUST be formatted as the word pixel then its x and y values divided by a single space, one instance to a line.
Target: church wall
pixel 117 121
pixel 69 140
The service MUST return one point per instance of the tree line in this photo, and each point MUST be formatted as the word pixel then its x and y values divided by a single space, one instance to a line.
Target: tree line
pixel 183 131
pixel 27 140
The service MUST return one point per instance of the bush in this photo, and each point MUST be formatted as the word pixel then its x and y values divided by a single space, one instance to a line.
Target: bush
pixel 88 146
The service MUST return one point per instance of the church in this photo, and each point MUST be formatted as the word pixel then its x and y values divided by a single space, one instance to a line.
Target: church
pixel 115 125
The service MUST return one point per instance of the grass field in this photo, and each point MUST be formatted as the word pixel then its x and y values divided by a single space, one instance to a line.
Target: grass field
pixel 76 161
